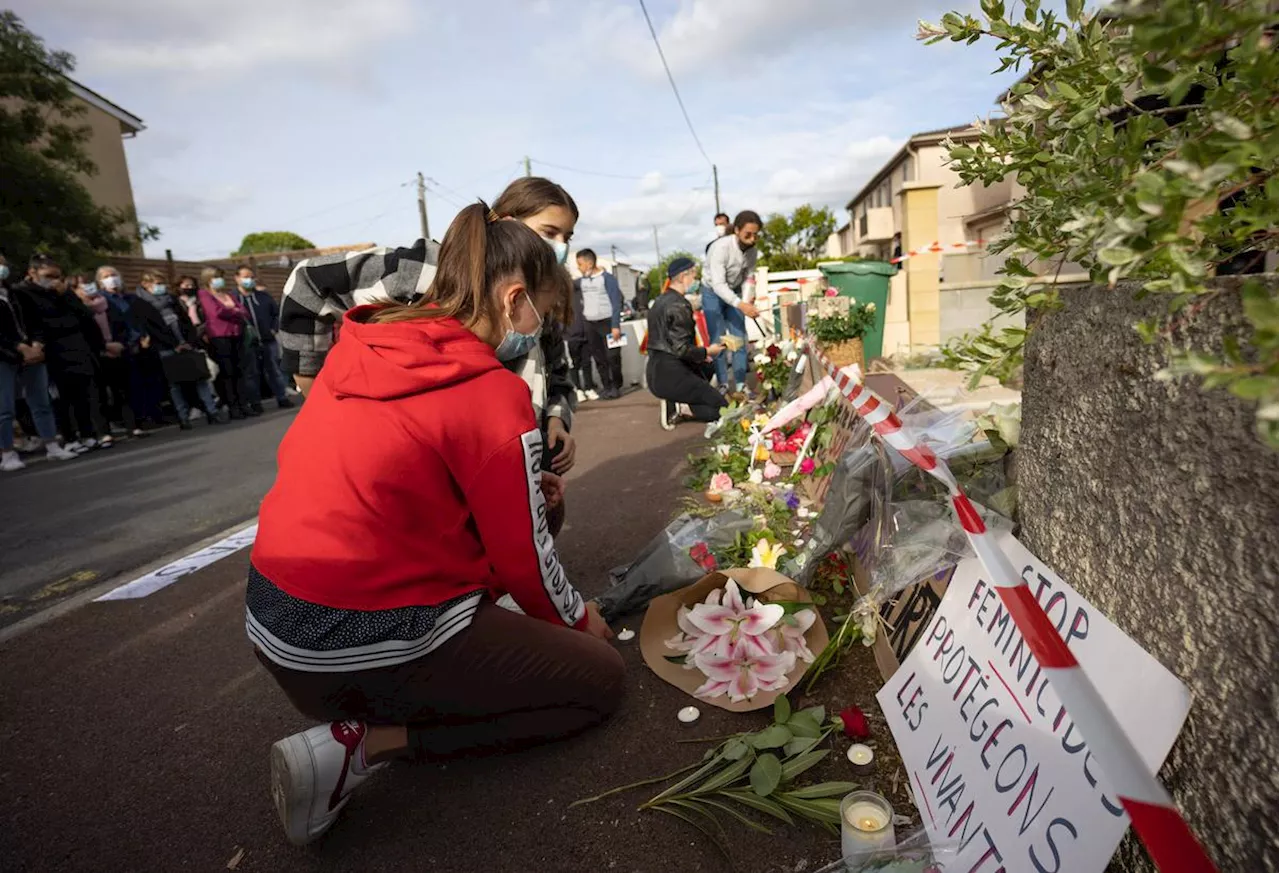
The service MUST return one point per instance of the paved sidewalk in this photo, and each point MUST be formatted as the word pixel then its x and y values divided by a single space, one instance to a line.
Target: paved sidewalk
pixel 134 734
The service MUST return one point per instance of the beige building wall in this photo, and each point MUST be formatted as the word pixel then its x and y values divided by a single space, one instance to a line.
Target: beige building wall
pixel 110 187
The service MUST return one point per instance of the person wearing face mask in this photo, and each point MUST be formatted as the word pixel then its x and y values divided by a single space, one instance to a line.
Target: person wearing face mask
pixel 264 319
pixel 385 627
pixel 225 318
pixel 185 369
pixel 322 286
pixel 73 347
pixel 722 227
pixel 731 269
pixel 23 370
pixel 134 377
pixel 674 371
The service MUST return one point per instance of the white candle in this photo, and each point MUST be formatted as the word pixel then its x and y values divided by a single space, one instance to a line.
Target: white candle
pixel 626 634
pixel 860 756
pixel 688 715
pixel 866 823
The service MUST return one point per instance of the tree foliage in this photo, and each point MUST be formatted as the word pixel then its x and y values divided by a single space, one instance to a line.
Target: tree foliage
pixel 658 275
pixel 45 206
pixel 1146 140
pixel 796 241
pixel 269 241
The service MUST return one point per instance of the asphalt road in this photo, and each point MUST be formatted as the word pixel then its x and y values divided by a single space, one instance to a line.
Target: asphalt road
pixel 134 734
pixel 68 526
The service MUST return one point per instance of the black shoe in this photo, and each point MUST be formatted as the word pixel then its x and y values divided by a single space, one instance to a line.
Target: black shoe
pixel 235 414
pixel 183 424
pixel 212 417
pixel 285 403
pixel 255 409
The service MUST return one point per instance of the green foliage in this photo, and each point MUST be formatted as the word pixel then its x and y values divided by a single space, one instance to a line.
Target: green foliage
pixel 1146 141
pixel 796 241
pixel 839 328
pixel 658 275
pixel 45 207
pixel 270 241
pixel 753 772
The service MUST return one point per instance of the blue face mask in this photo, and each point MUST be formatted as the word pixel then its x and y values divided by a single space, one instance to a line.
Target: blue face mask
pixel 160 289
pixel 560 248
pixel 695 287
pixel 249 283
pixel 4 272
pixel 516 344
pixel 217 283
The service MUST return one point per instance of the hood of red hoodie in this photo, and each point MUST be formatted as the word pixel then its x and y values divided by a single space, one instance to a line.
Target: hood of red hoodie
pixel 389 361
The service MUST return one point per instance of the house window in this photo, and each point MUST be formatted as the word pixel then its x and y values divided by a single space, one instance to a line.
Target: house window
pixel 906 170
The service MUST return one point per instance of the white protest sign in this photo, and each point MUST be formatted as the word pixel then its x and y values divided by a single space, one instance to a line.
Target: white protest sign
pixel 994 761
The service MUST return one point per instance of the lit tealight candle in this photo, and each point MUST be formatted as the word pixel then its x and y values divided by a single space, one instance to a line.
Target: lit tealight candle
pixel 688 715
pixel 626 634
pixel 866 823
pixel 861 756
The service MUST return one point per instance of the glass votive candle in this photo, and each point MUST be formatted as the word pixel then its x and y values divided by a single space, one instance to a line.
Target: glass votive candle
pixel 866 823
pixel 861 757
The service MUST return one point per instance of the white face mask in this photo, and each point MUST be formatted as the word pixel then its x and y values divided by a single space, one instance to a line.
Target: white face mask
pixel 111 283
pixel 721 230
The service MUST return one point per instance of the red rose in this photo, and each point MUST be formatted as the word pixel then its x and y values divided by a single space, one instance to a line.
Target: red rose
pixel 855 723
pixel 773 351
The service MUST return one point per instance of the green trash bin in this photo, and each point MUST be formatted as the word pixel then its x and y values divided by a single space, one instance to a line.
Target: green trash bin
pixel 865 282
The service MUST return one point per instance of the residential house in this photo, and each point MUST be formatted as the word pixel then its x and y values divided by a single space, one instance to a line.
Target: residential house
pixel 109 126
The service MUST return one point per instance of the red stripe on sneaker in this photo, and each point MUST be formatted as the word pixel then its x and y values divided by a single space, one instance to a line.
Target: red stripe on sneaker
pixel 350 734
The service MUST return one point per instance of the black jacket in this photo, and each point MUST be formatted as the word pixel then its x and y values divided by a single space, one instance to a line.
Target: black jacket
pixel 141 319
pixel 264 314
pixel 66 327
pixel 672 330
pixel 14 330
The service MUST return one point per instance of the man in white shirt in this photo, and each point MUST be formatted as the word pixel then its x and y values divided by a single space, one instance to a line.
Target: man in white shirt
pixel 731 269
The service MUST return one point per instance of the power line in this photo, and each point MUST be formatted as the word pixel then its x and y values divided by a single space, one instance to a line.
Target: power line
pixel 609 175
pixel 672 80
pixel 351 202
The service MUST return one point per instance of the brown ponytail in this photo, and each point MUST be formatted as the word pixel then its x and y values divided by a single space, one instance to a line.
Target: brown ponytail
pixel 479 249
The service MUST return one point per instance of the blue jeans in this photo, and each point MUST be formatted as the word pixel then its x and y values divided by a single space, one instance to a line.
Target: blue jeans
pixel 725 319
pixel 34 379
pixel 204 390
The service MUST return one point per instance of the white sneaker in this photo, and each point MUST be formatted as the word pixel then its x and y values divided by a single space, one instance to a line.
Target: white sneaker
pixel 56 452
pixel 27 444
pixel 11 463
pixel 313 774
pixel 582 396
pixel 593 395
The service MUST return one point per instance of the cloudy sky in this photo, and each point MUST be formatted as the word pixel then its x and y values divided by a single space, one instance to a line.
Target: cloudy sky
pixel 314 115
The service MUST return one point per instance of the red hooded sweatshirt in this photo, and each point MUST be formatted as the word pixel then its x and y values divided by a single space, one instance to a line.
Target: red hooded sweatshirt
pixel 411 478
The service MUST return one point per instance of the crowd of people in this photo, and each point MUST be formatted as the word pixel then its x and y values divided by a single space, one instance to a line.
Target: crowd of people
pixel 86 360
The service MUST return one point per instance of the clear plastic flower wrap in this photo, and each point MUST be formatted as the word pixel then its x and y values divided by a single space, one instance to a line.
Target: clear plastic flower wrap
pixel 673 559
pixel 913 853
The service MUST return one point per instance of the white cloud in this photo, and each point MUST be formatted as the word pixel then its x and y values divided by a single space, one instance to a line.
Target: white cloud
pixel 232 39
pixel 168 203
pixel 706 33
pixel 652 183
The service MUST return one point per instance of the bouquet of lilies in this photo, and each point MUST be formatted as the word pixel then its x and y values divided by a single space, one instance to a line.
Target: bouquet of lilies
pixel 741 644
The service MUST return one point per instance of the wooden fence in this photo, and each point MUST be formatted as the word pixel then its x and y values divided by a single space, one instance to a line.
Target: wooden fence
pixel 270 278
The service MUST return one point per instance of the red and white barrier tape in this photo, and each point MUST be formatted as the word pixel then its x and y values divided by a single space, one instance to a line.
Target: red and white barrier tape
pixel 935 248
pixel 1159 825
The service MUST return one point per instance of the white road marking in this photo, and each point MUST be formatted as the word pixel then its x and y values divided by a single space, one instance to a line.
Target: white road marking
pixel 184 566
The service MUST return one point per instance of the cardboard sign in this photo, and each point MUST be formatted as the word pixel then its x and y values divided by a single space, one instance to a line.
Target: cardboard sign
pixel 994 761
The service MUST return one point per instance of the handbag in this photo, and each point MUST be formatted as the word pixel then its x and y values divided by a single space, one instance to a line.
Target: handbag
pixel 188 366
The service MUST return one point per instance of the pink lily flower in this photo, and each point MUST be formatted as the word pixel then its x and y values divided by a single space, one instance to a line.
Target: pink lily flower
pixel 694 642
pixel 744 673
pixel 721 482
pixel 733 617
pixel 772 470
pixel 787 637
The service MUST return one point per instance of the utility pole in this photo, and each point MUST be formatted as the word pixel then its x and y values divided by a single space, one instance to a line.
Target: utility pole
pixel 715 174
pixel 528 171
pixel 613 251
pixel 422 207
pixel 657 251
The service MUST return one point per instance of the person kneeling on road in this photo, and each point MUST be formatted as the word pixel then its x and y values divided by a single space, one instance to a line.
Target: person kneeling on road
pixel 431 505
pixel 676 362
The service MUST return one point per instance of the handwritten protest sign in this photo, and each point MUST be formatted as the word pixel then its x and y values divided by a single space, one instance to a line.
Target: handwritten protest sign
pixel 994 761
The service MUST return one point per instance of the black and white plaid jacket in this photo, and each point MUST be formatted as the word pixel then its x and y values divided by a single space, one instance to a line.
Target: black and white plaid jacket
pixel 321 289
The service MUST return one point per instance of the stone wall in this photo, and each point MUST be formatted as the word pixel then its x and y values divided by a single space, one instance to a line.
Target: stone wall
pixel 1158 503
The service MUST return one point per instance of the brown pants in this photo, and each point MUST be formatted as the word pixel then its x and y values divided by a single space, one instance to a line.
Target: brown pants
pixel 507 681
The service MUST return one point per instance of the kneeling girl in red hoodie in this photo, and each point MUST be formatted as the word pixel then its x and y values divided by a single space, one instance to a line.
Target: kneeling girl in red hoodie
pixel 409 497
